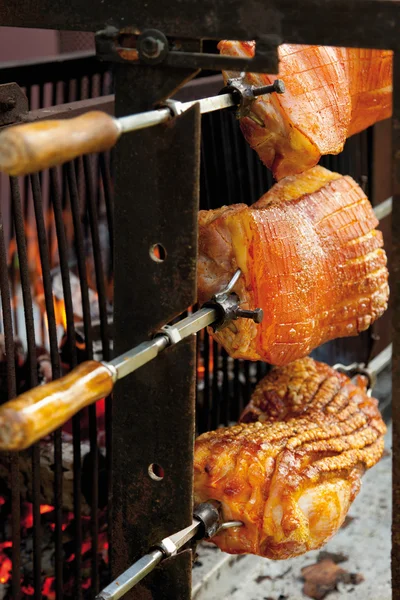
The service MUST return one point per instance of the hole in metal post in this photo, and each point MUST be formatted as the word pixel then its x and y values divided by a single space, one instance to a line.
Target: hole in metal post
pixel 156 472
pixel 158 253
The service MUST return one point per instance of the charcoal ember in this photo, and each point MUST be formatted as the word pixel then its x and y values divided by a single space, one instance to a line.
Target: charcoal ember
pixel 48 557
pixel 47 471
pixel 324 576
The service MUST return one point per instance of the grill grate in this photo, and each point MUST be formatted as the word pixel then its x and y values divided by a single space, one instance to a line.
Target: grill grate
pixel 66 217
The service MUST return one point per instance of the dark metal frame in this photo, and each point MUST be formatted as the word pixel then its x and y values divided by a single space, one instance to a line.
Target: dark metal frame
pixel 159 400
pixel 363 23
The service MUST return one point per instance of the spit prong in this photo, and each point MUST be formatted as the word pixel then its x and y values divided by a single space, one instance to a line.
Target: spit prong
pixel 229 287
pixel 229 525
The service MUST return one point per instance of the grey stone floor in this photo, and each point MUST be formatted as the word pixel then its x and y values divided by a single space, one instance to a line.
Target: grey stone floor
pixel 366 541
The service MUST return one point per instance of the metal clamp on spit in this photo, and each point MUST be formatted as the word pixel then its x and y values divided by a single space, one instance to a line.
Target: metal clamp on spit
pixel 244 95
pixel 375 366
pixel 31 147
pixel 37 412
pixel 205 525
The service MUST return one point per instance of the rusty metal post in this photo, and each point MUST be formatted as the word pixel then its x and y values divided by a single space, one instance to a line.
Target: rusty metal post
pixel 156 209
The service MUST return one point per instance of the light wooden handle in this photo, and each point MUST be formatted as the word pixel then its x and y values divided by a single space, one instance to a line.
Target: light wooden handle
pixel 31 147
pixel 38 412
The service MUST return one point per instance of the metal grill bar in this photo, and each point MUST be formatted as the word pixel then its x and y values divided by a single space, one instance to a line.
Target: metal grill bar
pixel 65 67
pixel 92 409
pixel 31 345
pixel 12 392
pixel 75 209
pixel 108 197
pixel 207 404
pixel 66 285
pixel 215 410
pixel 97 257
pixel 56 373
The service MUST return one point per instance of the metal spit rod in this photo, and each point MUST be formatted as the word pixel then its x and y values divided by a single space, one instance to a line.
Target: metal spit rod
pixel 31 147
pixel 41 410
pixel 371 371
pixel 206 524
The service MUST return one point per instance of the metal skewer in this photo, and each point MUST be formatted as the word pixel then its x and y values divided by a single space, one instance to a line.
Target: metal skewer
pixel 38 412
pixel 205 524
pixel 31 147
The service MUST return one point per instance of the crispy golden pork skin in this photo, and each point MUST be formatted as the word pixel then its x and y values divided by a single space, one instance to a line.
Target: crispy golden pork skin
pixel 291 475
pixel 310 258
pixel 331 94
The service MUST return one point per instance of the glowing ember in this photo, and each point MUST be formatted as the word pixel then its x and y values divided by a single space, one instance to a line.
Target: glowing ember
pixel 5 563
pixel 48 586
pixel 28 590
pixel 45 508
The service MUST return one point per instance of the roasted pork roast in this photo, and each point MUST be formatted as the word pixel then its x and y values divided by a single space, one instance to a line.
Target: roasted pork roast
pixel 291 468
pixel 331 94
pixel 310 257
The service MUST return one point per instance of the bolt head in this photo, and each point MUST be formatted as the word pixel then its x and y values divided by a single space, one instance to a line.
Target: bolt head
pixel 151 47
pixel 258 315
pixel 279 86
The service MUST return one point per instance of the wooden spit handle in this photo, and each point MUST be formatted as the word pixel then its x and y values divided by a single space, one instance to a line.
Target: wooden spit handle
pixel 31 147
pixel 38 412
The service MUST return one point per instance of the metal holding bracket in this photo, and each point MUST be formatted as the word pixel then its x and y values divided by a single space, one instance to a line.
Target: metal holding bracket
pixel 227 305
pixel 152 47
pixel 13 103
pixel 244 95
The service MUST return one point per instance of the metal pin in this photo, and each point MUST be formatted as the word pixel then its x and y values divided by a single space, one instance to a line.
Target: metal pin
pixel 256 315
pixel 278 87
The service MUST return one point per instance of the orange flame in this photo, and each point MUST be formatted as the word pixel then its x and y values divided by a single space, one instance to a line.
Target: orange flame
pixel 59 312
pixel 5 563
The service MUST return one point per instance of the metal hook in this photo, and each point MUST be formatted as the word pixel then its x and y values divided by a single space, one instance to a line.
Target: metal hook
pixel 358 369
pixel 230 285
pixel 228 525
